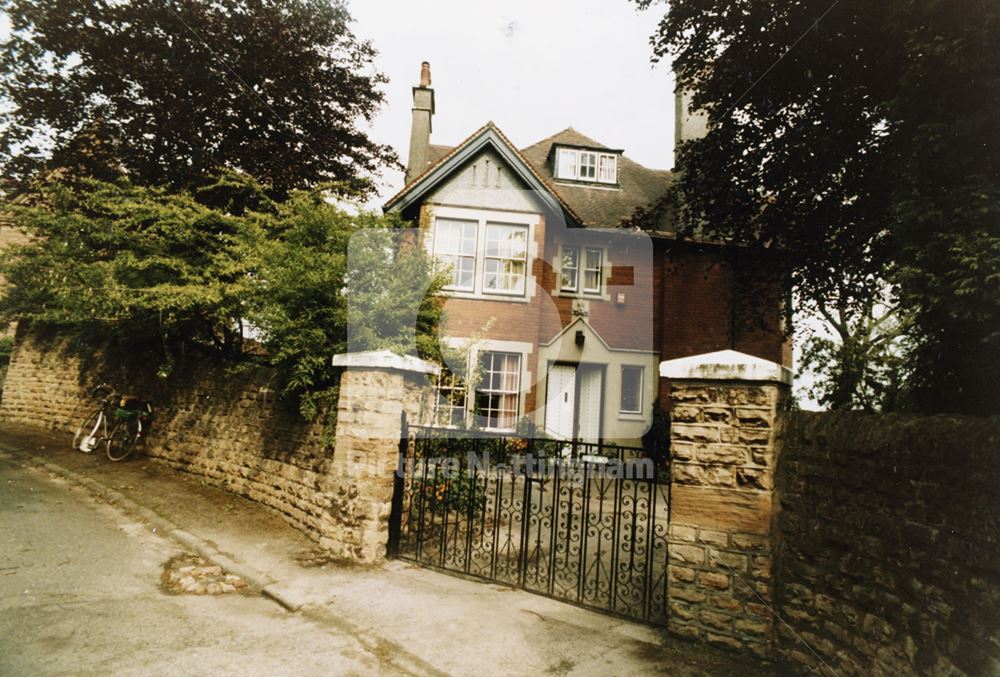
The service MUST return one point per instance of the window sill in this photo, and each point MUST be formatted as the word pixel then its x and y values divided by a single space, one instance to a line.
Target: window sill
pixel 588 296
pixel 478 296
pixel 631 416
pixel 577 183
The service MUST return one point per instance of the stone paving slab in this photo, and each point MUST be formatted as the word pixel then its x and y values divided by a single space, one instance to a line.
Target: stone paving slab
pixel 431 623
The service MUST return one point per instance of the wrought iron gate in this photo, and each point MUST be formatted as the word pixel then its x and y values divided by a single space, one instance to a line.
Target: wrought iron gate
pixel 583 523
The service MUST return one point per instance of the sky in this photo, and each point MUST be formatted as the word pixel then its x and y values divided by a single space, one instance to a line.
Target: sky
pixel 533 68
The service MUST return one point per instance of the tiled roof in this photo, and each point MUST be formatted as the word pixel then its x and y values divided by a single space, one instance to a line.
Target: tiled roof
pixel 447 153
pixel 571 137
pixel 596 206
pixel 601 206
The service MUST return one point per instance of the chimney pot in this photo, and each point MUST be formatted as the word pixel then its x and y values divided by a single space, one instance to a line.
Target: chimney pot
pixel 425 74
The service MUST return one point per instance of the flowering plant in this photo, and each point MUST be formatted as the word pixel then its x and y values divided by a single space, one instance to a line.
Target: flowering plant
pixel 457 491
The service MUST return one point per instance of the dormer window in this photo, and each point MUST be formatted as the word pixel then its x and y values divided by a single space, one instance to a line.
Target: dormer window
pixel 608 172
pixel 580 164
pixel 588 166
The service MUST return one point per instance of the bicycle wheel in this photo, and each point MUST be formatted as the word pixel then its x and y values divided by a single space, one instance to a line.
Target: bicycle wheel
pixel 91 432
pixel 123 439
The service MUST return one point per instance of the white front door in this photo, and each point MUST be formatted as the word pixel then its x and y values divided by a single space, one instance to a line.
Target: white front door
pixel 573 402
pixel 560 401
pixel 588 403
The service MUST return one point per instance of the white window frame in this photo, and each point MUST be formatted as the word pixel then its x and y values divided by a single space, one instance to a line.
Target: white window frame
pixel 621 388
pixel 446 386
pixel 567 163
pixel 522 259
pixel 563 268
pixel 570 165
pixel 484 218
pixel 579 286
pixel 586 268
pixel 440 255
pixel 501 392
pixel 610 176
pixel 590 165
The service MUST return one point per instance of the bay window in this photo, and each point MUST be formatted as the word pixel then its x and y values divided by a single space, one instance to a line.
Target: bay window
pixel 449 400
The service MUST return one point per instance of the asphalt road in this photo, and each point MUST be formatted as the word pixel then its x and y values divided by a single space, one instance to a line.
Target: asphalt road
pixel 80 594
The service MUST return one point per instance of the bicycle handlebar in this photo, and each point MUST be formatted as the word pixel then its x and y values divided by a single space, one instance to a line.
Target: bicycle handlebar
pixel 103 391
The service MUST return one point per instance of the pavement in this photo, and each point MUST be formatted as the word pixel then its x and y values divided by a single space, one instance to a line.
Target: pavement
pixel 396 618
pixel 81 593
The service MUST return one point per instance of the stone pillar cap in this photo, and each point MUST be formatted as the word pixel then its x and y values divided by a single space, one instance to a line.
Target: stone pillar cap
pixel 385 359
pixel 725 365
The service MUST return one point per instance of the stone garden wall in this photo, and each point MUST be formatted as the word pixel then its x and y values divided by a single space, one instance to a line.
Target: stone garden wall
pixel 890 552
pixel 847 543
pixel 228 426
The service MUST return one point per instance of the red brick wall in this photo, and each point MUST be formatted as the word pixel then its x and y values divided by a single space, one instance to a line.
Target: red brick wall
pixel 689 299
pixel 704 308
pixel 703 298
pixel 629 325
pixel 696 306
pixel 502 320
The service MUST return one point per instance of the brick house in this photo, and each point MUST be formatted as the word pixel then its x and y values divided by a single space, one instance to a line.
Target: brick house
pixel 559 309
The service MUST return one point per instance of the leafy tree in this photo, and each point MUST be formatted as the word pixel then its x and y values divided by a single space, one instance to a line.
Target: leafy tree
pixel 170 90
pixel 860 357
pixel 860 139
pixel 160 274
pixel 332 281
pixel 140 264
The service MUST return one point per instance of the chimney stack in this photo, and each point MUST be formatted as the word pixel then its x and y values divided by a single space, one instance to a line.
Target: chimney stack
pixel 420 129
pixel 688 123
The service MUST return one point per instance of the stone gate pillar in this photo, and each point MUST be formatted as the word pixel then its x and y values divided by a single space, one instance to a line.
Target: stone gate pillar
pixel 375 389
pixel 724 409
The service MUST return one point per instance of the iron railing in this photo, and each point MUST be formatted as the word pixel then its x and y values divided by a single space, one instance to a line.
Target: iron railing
pixel 581 522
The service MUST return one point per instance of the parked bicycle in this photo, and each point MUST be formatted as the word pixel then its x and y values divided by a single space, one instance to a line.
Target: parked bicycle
pixel 117 424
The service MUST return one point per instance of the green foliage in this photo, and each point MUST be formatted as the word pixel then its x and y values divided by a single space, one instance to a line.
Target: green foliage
pixel 6 349
pixel 863 360
pixel 859 139
pixel 541 444
pixel 388 306
pixel 160 274
pixel 169 91
pixel 144 265
pixel 331 282
pixel 448 489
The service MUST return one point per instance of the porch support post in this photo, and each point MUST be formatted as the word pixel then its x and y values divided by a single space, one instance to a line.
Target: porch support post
pixel 376 388
pixel 724 424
